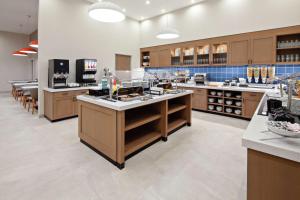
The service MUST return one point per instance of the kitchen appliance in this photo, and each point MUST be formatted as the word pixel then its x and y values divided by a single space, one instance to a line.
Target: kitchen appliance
pixel 226 83
pixel 200 78
pixel 58 73
pixel 98 92
pixel 86 70
pixel 273 104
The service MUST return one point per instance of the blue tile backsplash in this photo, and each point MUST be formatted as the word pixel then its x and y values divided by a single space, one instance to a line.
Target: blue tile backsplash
pixel 221 73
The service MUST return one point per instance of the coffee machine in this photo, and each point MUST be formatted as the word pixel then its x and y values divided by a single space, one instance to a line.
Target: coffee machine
pixel 58 73
pixel 86 70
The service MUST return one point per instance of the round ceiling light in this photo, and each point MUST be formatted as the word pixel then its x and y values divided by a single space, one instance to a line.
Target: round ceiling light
pixel 105 11
pixel 18 53
pixel 168 33
pixel 28 50
pixel 34 44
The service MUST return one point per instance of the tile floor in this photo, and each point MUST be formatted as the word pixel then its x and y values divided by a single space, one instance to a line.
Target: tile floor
pixel 43 160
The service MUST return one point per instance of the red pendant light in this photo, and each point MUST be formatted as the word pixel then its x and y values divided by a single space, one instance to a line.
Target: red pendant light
pixel 34 44
pixel 18 53
pixel 28 50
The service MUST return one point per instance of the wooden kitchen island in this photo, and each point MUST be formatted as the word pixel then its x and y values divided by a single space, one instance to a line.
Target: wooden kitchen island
pixel 119 130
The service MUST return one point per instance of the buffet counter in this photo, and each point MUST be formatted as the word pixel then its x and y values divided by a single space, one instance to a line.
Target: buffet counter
pixel 273 161
pixel 118 130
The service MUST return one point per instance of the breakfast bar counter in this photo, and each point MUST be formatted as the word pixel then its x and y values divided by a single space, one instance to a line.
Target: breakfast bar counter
pixel 118 130
pixel 273 164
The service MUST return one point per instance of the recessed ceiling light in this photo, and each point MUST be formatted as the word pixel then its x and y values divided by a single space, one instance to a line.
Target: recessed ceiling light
pixel 142 18
pixel 192 1
pixel 148 2
pixel 124 10
pixel 163 10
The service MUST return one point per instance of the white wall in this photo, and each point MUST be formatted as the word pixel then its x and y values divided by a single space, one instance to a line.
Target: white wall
pixel 213 18
pixel 66 31
pixel 13 67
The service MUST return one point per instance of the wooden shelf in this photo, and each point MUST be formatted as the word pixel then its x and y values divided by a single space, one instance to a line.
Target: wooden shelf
pixel 233 98
pixel 232 106
pixel 175 108
pixel 217 104
pixel 215 96
pixel 291 63
pixel 175 123
pixel 140 119
pixel 286 48
pixel 137 141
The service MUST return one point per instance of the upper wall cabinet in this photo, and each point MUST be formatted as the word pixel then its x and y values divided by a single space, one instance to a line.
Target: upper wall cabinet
pixel 164 57
pixel 203 52
pixel 220 53
pixel 188 55
pixel 288 48
pixel 263 50
pixel 176 54
pixel 154 58
pixel 263 47
pixel 239 51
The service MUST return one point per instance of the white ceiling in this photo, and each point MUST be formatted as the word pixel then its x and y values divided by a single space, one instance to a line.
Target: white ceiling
pixel 137 9
pixel 14 16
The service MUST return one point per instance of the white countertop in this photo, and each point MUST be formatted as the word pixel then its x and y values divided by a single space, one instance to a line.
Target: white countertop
pixel 221 87
pixel 120 105
pixel 257 137
pixel 69 89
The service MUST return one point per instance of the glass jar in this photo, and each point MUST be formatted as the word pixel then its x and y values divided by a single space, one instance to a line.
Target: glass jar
pixel 278 58
pixel 279 44
pixel 292 58
pixel 297 57
pixel 287 58
pixel 282 58
pixel 297 42
pixel 292 43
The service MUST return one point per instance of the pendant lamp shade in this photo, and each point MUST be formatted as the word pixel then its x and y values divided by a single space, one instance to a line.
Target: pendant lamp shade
pixel 34 44
pixel 28 50
pixel 18 53
pixel 168 33
pixel 105 11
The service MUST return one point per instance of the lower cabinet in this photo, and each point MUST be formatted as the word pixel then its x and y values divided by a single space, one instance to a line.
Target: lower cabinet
pixel 199 99
pixel 250 103
pixel 60 105
pixel 63 107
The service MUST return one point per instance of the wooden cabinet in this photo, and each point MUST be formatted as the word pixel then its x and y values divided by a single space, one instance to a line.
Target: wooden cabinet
pixel 263 50
pixel 60 105
pixel 239 51
pixel 250 103
pixel 199 99
pixel 164 57
pixel 63 107
pixel 160 57
pixel 154 58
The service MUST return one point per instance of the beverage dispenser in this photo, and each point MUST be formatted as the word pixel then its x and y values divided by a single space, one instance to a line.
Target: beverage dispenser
pixel 86 70
pixel 58 73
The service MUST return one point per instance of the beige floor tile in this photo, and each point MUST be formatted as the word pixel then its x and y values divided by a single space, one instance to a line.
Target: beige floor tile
pixel 43 160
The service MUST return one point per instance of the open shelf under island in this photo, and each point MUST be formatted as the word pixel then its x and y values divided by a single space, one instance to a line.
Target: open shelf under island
pixel 118 130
